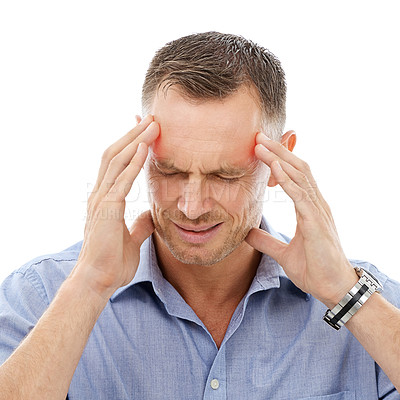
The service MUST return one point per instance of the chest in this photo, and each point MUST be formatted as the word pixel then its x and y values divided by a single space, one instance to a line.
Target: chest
pixel 276 348
pixel 149 354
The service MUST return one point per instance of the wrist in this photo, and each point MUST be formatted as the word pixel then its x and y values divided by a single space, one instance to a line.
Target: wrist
pixel 84 279
pixel 366 285
pixel 346 281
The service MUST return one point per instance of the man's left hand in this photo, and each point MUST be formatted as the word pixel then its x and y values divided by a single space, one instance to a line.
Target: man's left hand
pixel 314 260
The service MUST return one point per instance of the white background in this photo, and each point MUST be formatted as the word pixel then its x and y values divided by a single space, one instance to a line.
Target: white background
pixel 70 82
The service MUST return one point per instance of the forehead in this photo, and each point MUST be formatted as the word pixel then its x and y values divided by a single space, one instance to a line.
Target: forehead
pixel 214 131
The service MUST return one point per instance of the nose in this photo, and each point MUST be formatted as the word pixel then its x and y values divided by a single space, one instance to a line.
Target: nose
pixel 193 201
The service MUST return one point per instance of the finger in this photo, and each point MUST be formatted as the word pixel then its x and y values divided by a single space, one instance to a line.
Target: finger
pixel 303 203
pixel 118 146
pixel 299 177
pixel 286 155
pixel 138 119
pixel 142 228
pixel 124 182
pixel 282 152
pixel 267 244
pixel 123 159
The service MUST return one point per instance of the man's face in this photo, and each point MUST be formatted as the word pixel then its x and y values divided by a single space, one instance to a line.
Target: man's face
pixel 206 186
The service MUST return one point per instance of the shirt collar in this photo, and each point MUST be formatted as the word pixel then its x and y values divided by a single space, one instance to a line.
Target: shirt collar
pixel 268 276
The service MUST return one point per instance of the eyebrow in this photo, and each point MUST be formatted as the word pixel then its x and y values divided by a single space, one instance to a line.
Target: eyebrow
pixel 225 169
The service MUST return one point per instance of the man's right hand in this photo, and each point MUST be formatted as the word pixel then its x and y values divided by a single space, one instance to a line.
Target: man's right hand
pixel 110 252
pixel 43 364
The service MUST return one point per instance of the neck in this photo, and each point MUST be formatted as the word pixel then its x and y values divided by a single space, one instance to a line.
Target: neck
pixel 221 284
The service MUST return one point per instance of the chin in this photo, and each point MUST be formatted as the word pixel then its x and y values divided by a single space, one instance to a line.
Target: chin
pixel 230 238
pixel 200 254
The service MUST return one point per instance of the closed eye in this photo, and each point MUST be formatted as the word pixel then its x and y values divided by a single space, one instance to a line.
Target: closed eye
pixel 225 179
pixel 168 173
pixel 219 177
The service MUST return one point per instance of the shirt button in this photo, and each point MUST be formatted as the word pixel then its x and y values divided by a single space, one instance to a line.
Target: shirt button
pixel 214 384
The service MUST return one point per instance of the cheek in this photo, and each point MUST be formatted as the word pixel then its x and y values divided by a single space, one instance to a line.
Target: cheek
pixel 222 193
pixel 164 191
pixel 238 198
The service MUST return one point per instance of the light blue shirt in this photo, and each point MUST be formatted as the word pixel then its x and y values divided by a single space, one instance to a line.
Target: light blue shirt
pixel 149 344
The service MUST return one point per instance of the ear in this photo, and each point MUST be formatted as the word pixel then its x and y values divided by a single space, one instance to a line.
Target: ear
pixel 288 140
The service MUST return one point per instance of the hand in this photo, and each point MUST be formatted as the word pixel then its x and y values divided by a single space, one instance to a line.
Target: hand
pixel 110 252
pixel 314 260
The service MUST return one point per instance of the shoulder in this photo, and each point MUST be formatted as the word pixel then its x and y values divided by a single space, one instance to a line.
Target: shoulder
pixel 44 273
pixel 27 292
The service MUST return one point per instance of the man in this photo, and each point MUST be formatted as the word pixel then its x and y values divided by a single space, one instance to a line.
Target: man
pixel 201 298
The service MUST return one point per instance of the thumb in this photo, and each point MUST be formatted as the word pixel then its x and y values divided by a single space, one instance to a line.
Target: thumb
pixel 266 243
pixel 142 228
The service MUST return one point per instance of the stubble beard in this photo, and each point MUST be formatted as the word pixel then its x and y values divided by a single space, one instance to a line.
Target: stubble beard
pixel 199 254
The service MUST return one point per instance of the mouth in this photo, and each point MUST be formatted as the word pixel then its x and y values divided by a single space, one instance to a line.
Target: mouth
pixel 197 234
pixel 192 228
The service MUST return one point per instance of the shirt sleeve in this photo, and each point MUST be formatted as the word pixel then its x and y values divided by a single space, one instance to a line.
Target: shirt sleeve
pixel 22 302
pixel 391 291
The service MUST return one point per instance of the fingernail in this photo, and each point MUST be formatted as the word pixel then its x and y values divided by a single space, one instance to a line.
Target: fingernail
pixel 262 147
pixel 146 119
pixel 262 137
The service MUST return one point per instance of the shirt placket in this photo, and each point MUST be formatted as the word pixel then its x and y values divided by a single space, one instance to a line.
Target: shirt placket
pixel 216 380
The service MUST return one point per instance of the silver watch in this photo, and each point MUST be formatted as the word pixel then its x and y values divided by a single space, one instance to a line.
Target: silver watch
pixel 354 299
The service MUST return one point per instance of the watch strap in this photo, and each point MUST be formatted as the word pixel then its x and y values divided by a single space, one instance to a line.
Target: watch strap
pixel 353 300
